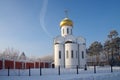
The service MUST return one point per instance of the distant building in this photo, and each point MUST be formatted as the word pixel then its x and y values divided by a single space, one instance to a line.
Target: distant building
pixel 22 56
pixel 69 51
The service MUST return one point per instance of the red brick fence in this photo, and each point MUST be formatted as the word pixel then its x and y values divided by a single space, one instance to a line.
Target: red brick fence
pixel 5 64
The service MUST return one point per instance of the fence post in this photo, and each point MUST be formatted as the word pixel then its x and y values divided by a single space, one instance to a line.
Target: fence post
pixel 77 68
pixel 29 71
pixel 111 68
pixel 19 72
pixel 94 68
pixel 40 71
pixel 58 70
pixel 8 71
pixel 85 67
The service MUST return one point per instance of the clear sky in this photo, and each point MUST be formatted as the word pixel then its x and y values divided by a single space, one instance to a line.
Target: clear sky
pixel 31 25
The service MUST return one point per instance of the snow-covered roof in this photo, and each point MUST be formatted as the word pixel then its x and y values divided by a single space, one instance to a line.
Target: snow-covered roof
pixel 81 40
pixel 70 38
pixel 59 40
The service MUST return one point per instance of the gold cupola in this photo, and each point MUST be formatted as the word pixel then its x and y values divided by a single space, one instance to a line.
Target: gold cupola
pixel 66 22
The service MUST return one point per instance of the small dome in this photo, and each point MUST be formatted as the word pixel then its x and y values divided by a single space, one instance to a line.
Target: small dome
pixel 66 22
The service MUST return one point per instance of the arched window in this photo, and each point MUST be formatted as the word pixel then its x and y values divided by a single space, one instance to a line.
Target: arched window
pixel 71 31
pixel 82 54
pixel 67 30
pixel 59 54
pixel 72 54
pixel 67 54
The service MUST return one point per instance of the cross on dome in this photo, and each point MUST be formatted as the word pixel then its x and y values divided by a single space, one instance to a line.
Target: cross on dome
pixel 66 13
pixel 66 21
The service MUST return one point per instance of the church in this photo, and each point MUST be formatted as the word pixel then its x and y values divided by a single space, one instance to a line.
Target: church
pixel 69 51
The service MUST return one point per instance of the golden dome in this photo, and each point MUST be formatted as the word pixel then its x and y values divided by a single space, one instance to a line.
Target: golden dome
pixel 66 22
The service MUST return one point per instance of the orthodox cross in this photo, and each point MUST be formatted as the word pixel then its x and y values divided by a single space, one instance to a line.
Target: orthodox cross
pixel 66 13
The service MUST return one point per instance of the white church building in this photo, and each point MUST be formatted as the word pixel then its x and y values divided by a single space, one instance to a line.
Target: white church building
pixel 69 51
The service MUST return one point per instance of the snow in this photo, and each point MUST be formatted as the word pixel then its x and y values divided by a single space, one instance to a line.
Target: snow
pixel 102 73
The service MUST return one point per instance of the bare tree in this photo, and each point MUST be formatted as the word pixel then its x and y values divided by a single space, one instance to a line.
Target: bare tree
pixel 10 53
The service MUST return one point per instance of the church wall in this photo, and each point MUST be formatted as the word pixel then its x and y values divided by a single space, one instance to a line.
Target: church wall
pixel 82 55
pixel 71 61
pixel 59 55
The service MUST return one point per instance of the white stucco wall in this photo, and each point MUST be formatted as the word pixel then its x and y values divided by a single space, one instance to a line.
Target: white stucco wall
pixel 82 60
pixel 71 62
pixel 64 32
pixel 57 61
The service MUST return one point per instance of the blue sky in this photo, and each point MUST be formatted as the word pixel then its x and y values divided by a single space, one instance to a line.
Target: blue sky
pixel 31 25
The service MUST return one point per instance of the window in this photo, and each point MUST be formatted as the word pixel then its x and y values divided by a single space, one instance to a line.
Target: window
pixel 67 54
pixel 59 54
pixel 84 44
pixel 72 54
pixel 67 30
pixel 82 54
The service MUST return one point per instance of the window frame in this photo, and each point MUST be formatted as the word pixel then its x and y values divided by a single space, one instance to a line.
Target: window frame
pixel 82 54
pixel 72 54
pixel 59 54
pixel 67 30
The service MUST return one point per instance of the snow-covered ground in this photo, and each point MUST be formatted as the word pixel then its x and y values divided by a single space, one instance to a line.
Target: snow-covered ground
pixel 102 73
